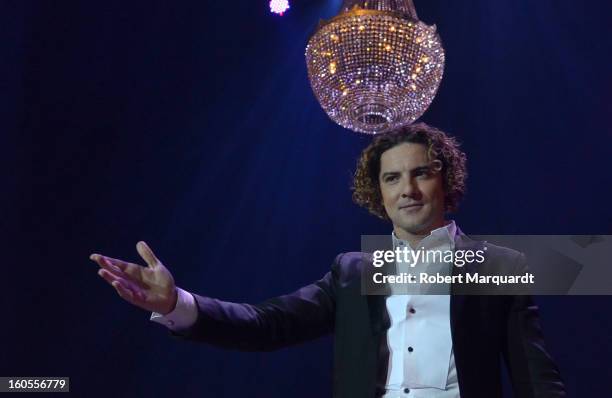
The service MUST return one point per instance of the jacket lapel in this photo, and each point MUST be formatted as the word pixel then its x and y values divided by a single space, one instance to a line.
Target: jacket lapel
pixel 457 299
pixel 376 302
pixel 379 321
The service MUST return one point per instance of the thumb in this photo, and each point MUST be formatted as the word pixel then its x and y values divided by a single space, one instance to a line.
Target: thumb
pixel 147 254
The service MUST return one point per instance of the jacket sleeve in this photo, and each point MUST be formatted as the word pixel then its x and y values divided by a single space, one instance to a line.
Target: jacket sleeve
pixel 533 372
pixel 306 314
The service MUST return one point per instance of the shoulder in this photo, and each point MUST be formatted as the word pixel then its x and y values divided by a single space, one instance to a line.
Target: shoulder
pixel 349 265
pixel 497 259
pixel 501 260
pixel 496 252
pixel 492 251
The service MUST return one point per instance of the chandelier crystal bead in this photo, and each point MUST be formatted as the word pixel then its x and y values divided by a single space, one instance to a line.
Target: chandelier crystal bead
pixel 375 66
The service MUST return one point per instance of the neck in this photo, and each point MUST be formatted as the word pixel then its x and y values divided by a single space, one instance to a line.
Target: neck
pixel 414 238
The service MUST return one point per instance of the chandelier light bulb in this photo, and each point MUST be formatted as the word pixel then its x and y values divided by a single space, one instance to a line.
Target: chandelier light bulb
pixel 375 66
pixel 279 6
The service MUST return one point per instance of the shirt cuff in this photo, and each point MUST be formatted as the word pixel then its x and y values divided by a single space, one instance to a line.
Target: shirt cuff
pixel 184 314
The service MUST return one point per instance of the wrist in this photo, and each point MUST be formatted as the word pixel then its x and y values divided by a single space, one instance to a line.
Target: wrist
pixel 172 302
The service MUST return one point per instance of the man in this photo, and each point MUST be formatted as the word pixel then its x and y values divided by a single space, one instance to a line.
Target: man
pixel 421 346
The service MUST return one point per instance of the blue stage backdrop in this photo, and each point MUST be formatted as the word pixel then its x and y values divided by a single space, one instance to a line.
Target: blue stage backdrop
pixel 191 125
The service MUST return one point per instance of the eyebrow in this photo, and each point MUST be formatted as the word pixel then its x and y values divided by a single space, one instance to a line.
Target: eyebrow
pixel 419 168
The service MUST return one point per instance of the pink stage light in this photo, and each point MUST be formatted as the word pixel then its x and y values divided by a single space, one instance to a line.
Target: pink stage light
pixel 279 6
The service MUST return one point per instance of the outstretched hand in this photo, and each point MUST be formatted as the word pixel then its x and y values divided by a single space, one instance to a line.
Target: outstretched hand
pixel 151 288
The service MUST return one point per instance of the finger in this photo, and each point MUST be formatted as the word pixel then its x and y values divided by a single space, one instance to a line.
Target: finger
pixel 122 265
pixel 123 276
pixel 122 286
pixel 147 254
pixel 111 278
pixel 135 297
pixel 107 265
pixel 100 260
pixel 127 270
pixel 120 268
pixel 125 294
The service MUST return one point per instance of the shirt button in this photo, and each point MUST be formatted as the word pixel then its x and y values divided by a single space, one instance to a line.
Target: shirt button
pixel 410 349
pixel 412 311
pixel 406 390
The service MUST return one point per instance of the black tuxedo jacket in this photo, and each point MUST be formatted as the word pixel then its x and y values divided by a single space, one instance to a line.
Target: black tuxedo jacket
pixel 484 328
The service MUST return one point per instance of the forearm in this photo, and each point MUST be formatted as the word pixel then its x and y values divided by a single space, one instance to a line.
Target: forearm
pixel 279 322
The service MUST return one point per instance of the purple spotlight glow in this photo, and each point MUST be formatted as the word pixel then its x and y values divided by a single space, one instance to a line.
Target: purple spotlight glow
pixel 279 6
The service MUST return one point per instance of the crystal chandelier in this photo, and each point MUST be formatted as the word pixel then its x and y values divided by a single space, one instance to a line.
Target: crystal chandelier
pixel 375 66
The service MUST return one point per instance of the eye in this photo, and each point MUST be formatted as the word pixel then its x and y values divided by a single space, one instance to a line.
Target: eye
pixel 423 173
pixel 391 178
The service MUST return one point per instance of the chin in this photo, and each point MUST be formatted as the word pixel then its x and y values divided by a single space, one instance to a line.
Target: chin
pixel 416 226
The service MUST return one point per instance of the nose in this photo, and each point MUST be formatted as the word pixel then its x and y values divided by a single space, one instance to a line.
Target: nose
pixel 410 189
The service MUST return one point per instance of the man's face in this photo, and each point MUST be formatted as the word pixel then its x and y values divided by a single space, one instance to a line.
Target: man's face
pixel 412 192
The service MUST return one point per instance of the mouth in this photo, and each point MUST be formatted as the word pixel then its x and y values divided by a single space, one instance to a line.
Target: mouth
pixel 412 207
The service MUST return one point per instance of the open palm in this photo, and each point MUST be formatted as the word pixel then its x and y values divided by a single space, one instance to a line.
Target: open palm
pixel 151 288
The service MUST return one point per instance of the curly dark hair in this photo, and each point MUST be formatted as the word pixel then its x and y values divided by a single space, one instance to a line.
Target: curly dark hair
pixel 366 188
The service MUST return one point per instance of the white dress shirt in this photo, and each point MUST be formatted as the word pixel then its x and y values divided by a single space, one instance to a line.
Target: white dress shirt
pixel 184 315
pixel 421 361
